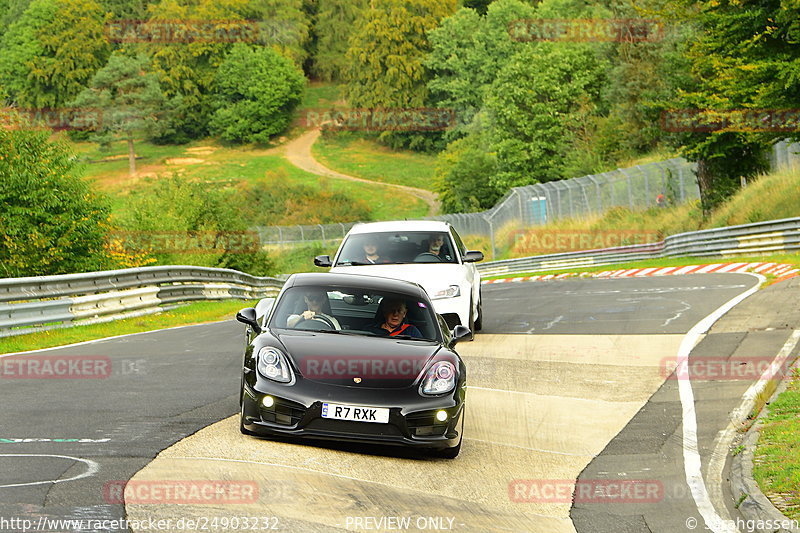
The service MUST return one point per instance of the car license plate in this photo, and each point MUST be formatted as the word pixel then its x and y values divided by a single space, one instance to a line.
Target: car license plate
pixel 355 413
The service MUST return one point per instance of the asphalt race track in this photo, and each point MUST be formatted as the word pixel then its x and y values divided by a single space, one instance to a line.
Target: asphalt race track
pixel 568 379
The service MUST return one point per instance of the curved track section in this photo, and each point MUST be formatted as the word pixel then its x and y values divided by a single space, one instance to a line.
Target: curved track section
pixel 559 371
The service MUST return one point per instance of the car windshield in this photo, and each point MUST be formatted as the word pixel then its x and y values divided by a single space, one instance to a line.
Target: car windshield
pixel 397 247
pixel 355 311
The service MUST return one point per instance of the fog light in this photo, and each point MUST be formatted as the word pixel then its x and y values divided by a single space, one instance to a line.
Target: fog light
pixel 441 416
pixel 268 401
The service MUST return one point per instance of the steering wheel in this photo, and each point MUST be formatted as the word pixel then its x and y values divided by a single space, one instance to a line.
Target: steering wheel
pixel 323 318
pixel 427 257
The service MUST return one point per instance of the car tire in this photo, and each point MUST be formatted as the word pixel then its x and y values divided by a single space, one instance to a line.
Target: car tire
pixel 243 429
pixel 479 320
pixel 452 453
pixel 471 324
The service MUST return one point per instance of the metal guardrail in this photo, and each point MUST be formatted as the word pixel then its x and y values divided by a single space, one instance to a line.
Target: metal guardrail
pixel 749 239
pixel 54 301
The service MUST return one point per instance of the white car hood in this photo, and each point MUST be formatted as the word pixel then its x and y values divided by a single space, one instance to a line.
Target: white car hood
pixel 432 276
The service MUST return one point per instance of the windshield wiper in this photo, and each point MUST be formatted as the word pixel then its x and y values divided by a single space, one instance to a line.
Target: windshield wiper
pixel 409 337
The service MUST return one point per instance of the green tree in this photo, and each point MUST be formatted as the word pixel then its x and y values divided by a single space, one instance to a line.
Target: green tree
pixel 467 52
pixel 187 70
pixel 52 51
pixel 129 98
pixel 256 91
pixel 333 28
pixel 387 58
pixel 481 6
pixel 50 221
pixel 745 56
pixel 536 104
pixel 462 172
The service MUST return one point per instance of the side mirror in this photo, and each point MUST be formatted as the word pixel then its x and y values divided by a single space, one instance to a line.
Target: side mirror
pixel 248 316
pixel 473 256
pixel 460 332
pixel 323 261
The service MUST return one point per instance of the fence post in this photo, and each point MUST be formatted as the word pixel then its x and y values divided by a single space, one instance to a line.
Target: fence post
pixel 630 188
pixel 491 236
pixel 680 183
pixel 599 196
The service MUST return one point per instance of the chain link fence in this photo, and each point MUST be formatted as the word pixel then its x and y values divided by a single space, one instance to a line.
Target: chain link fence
pixel 665 182
pixel 786 156
pixel 662 183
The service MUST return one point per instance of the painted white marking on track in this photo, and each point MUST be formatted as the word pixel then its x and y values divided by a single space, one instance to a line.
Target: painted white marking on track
pixel 692 463
pixel 686 307
pixel 92 469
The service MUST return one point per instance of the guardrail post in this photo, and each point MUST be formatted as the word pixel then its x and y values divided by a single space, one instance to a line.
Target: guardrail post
pixel 323 233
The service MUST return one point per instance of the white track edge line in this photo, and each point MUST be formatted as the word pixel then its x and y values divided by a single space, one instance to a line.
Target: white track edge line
pixel 691 456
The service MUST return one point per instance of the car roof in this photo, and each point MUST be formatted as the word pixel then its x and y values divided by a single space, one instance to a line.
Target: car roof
pixel 400 225
pixel 357 281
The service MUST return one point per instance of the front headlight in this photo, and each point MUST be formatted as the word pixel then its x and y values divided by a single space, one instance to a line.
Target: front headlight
pixel 450 292
pixel 440 378
pixel 272 364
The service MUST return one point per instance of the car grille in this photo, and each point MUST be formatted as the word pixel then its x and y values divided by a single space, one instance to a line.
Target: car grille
pixel 354 428
pixel 284 412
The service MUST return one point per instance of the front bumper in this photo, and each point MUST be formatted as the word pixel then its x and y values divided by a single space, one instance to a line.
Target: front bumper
pixel 295 414
pixel 454 308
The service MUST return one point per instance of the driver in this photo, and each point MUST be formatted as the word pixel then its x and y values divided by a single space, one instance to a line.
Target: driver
pixel 393 312
pixel 436 247
pixel 315 301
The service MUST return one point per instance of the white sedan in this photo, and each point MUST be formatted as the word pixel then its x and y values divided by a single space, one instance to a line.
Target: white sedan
pixel 429 253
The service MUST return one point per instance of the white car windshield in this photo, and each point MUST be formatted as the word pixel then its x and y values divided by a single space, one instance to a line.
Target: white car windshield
pixel 397 247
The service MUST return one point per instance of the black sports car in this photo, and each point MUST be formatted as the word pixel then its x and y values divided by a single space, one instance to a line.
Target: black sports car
pixel 355 358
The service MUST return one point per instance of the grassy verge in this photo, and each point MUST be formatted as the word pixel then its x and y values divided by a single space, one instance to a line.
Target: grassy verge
pixel 777 455
pixel 363 158
pixel 793 259
pixel 220 166
pixel 194 313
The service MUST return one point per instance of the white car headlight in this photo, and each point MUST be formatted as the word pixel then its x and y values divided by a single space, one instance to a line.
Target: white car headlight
pixel 440 378
pixel 449 292
pixel 272 364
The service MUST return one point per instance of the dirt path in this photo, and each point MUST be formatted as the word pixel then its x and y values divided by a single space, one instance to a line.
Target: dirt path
pixel 298 152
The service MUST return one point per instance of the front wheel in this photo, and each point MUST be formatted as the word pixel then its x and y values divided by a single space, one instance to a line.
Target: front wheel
pixel 452 453
pixel 243 429
pixel 479 320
